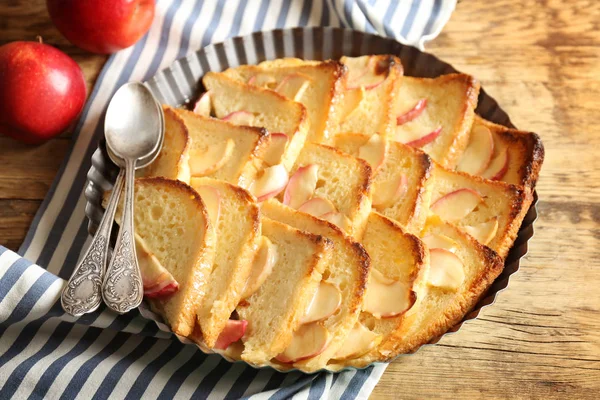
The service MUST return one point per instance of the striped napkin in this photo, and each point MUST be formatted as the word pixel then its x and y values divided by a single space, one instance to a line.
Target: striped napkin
pixel 45 353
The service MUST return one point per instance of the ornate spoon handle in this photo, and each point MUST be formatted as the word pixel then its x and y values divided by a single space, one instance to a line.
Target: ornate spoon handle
pixel 82 293
pixel 123 289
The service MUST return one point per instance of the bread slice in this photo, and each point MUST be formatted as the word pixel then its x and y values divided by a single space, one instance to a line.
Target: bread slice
pixel 250 146
pixel 313 85
pixel 343 180
pixel 515 156
pixel 347 270
pixel 398 256
pixel 472 202
pixel 173 222
pixel 404 169
pixel 439 309
pixel 237 230
pixel 274 311
pixel 368 108
pixel 172 161
pixel 450 108
pixel 269 110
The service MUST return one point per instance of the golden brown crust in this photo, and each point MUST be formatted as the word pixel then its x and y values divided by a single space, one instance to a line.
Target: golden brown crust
pixel 417 214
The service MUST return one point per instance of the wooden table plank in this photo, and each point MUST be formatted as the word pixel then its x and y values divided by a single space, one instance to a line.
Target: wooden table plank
pixel 541 61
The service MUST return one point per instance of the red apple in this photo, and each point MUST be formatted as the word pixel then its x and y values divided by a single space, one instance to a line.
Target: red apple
pixel 234 330
pixel 102 26
pixel 412 113
pixel 425 139
pixel 42 91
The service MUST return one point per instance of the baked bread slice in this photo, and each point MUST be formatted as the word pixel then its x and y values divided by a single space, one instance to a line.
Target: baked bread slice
pixel 172 161
pixel 255 106
pixel 436 115
pixel 275 310
pixel 209 139
pixel 490 211
pixel 174 225
pixel 402 181
pixel 500 153
pixel 366 104
pixel 399 260
pixel 338 184
pixel 236 219
pixel 347 270
pixel 313 85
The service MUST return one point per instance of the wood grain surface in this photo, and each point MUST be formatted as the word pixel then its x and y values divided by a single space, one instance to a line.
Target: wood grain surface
pixel 541 61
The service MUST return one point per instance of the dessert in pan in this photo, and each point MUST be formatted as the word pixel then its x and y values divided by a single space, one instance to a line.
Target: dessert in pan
pixel 325 214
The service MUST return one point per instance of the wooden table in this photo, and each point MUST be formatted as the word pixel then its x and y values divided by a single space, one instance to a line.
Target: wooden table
pixel 541 61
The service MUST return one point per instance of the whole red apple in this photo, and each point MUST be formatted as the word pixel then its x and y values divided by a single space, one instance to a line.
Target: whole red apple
pixel 42 91
pixel 102 26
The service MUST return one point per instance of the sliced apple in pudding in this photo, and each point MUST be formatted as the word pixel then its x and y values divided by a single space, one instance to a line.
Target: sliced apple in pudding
pixel 317 207
pixel 479 152
pixel 262 266
pixel 385 299
pixel 387 193
pixel 445 269
pixel 483 232
pixel 240 118
pixel 350 102
pixel 338 219
pixel 204 105
pixel 325 302
pixel 158 282
pixel 412 113
pixel 212 159
pixel 263 80
pixel 272 181
pixel 418 139
pixel 234 330
pixel 359 341
pixel 364 75
pixel 439 241
pixel 294 85
pixel 374 151
pixel 308 341
pixel 301 186
pixel 456 205
pixel 276 148
pixel 212 200
pixel 498 166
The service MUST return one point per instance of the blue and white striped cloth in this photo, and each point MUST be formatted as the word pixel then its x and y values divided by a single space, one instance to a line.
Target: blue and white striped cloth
pixel 47 354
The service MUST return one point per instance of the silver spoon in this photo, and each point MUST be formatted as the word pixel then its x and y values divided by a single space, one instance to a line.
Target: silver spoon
pixel 133 129
pixel 82 295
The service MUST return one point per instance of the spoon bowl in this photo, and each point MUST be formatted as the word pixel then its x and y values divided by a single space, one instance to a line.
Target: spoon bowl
pixel 133 124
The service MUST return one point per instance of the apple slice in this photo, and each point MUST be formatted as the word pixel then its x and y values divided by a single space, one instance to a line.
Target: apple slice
pixel 212 159
pixel 234 330
pixel 384 299
pixel 412 113
pixel 438 241
pixel 317 206
pixel 212 200
pixel 374 151
pixel 325 302
pixel 478 155
pixel 456 205
pixel 240 118
pixel 498 166
pixel 308 341
pixel 263 80
pixel 387 193
pixel 272 181
pixel 262 266
pixel 483 232
pixel 294 85
pixel 301 186
pixel 359 341
pixel 158 282
pixel 445 269
pixel 420 140
pixel 367 77
pixel 204 105
pixel 338 219
pixel 350 101
pixel 278 144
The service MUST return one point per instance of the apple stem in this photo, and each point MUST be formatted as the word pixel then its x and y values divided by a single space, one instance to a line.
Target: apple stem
pixel 39 38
